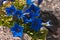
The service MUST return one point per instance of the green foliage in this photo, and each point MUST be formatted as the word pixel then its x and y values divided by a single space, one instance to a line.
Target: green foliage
pixel 41 35
pixel 5 20
pixel 19 4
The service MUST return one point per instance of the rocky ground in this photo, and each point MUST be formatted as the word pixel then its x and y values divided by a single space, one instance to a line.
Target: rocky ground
pixel 52 5
pixel 5 34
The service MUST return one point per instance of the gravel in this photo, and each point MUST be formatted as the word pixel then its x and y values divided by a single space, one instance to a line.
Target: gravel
pixel 52 5
pixel 5 34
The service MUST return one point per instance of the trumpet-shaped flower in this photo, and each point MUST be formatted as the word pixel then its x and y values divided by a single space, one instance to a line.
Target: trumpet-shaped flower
pixel 29 2
pixel 17 30
pixel 31 13
pixel 18 14
pixel 10 10
pixel 27 19
pixel 36 24
pixel 34 9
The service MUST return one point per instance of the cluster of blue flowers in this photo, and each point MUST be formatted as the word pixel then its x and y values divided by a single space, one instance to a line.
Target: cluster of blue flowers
pixel 30 15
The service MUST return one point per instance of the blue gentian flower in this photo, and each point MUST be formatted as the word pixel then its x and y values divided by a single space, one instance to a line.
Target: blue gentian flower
pixel 17 30
pixel 10 10
pixel 29 2
pixel 18 14
pixel 34 9
pixel 33 12
pixel 39 2
pixel 36 24
pixel 27 19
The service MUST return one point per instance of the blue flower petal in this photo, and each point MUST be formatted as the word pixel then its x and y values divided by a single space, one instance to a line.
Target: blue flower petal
pixel 33 10
pixel 15 34
pixel 36 24
pixel 27 20
pixel 19 14
pixel 29 2
pixel 39 2
pixel 17 30
pixel 10 10
pixel 28 17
